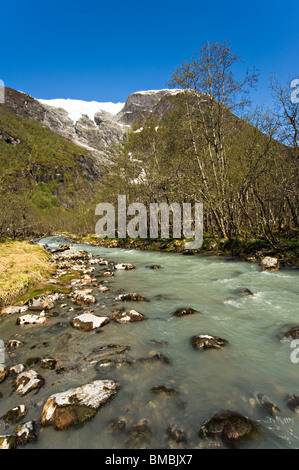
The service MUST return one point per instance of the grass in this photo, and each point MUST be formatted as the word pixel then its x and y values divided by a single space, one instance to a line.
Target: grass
pixel 22 266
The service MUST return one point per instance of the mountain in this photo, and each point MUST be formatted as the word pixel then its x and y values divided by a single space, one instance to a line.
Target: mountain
pixel 91 125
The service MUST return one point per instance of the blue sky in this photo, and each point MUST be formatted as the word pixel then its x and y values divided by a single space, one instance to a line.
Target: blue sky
pixel 105 50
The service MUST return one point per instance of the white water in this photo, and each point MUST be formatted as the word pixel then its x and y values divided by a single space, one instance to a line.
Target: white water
pixel 254 361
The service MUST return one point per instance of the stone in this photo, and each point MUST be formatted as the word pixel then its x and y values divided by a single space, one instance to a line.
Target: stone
pixel 48 363
pixel 61 248
pixel 266 404
pixel 131 297
pixel 28 381
pixel 83 297
pixel 293 402
pixel 25 433
pixel 40 303
pixel 77 405
pixel 244 292
pixel 3 373
pixel 181 312
pixel 230 426
pixel 15 414
pixel 176 434
pixel 292 333
pixel 161 389
pixel 118 425
pixel 203 342
pixel 8 442
pixel 13 344
pixel 128 317
pixel 31 319
pixel 103 289
pixel 14 309
pixel 88 322
pixel 140 434
pixel 270 264
pixel 16 370
pixel 154 266
pixel 124 266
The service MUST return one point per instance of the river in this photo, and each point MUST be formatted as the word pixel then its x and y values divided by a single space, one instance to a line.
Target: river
pixel 255 360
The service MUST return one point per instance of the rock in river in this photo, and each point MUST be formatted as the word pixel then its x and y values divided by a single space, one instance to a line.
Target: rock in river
pixel 28 381
pixel 123 266
pixel 230 426
pixel 83 297
pixel 202 342
pixel 293 402
pixel 181 312
pixel 131 297
pixel 128 317
pixel 88 322
pixel 77 405
pixel 270 264
pixel 15 414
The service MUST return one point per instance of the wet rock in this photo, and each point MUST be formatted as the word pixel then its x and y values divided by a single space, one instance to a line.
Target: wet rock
pixel 88 322
pixel 8 442
pixel 14 309
pixel 83 297
pixel 30 319
pixel 15 414
pixel 107 274
pixel 292 333
pixel 28 381
pixel 16 370
pixel 131 298
pixel 230 426
pixel 103 289
pixel 176 434
pixel 244 292
pixel 32 361
pixel 154 266
pixel 118 425
pixel 128 317
pixel 3 373
pixel 123 266
pixel 270 264
pixel 40 303
pixel 266 404
pixel 13 344
pixel 61 248
pixel 25 433
pixel 140 434
pixel 203 342
pixel 161 389
pixel 181 312
pixel 293 402
pixel 156 357
pixel 48 363
pixel 77 405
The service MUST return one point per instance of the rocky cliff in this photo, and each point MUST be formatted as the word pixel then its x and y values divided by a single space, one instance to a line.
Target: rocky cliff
pixel 93 132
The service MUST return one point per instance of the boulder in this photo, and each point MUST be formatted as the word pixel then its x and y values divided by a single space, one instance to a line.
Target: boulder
pixel 270 264
pixel 266 404
pixel 230 426
pixel 128 317
pixel 131 298
pixel 30 319
pixel 162 390
pixel 3 373
pixel 292 333
pixel 25 433
pixel 16 370
pixel 88 322
pixel 203 342
pixel 15 414
pixel 124 266
pixel 154 266
pixel 14 309
pixel 28 381
pixel 140 434
pixel 293 402
pixel 61 248
pixel 181 312
pixel 176 434
pixel 40 303
pixel 13 344
pixel 83 297
pixel 8 442
pixel 77 405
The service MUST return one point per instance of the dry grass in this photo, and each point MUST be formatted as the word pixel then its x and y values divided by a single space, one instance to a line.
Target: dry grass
pixel 22 265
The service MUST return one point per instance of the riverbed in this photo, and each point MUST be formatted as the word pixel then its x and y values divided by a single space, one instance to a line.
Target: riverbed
pixel 255 359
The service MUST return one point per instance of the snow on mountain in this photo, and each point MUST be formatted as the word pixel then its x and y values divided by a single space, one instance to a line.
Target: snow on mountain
pixel 77 108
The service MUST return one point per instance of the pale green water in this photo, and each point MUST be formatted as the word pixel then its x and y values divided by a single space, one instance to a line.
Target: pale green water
pixel 254 361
